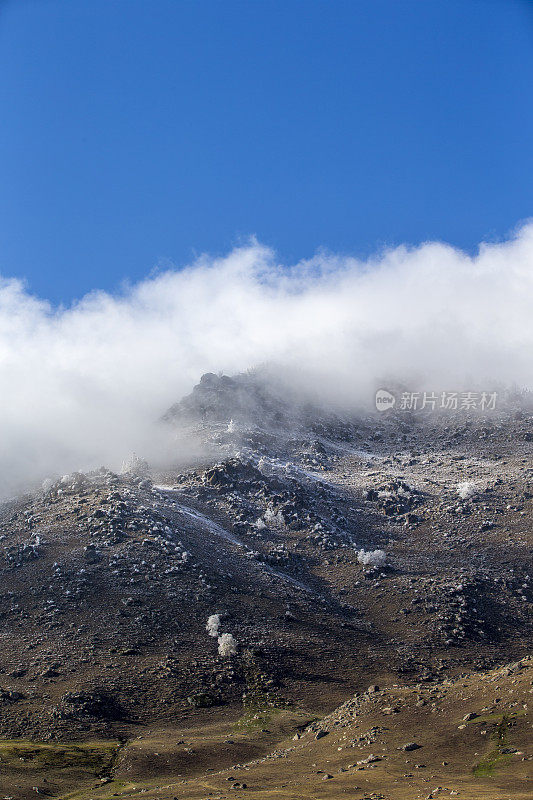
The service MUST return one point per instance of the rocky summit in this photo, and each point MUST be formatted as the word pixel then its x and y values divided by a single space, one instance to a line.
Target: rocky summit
pixel 315 605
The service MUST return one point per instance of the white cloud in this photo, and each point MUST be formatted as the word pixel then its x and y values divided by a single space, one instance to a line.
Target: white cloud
pixel 82 386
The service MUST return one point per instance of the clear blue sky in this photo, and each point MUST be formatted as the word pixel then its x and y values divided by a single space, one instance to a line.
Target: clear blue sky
pixel 138 132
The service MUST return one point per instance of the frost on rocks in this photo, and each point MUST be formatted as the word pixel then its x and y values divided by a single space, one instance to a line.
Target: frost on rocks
pixel 135 466
pixel 227 646
pixel 265 466
pixel 272 517
pixel 372 558
pixel 213 625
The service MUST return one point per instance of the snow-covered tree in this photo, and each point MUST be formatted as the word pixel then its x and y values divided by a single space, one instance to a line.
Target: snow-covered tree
pixel 213 625
pixel 372 558
pixel 227 646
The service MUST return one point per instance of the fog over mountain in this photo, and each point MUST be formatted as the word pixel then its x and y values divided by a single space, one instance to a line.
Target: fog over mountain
pixel 85 385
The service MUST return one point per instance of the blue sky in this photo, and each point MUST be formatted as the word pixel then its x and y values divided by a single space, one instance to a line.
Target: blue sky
pixel 136 133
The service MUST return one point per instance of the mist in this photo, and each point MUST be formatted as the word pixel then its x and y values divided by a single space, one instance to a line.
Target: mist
pixel 85 385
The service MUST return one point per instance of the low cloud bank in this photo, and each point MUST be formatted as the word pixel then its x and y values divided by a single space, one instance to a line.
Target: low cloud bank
pixel 83 386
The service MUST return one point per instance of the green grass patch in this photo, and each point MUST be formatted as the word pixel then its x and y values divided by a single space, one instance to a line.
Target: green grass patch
pixel 272 716
pixel 22 755
pixel 492 718
pixel 260 703
pixel 489 763
pixel 260 708
pixel 255 719
pixel 495 757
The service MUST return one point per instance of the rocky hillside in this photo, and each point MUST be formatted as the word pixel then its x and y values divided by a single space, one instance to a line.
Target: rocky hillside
pixel 339 552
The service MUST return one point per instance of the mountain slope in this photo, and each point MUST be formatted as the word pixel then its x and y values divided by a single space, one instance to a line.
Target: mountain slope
pixel 339 551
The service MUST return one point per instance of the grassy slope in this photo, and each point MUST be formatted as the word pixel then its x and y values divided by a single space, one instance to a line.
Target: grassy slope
pixel 486 758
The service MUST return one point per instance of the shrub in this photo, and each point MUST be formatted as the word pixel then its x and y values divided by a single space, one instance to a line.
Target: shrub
pixel 227 646
pixel 466 489
pixel 372 558
pixel 213 625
